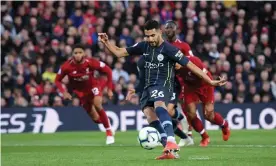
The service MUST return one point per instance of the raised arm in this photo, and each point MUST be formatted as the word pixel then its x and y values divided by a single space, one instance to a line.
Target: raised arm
pixel 136 49
pixel 118 52
pixel 180 58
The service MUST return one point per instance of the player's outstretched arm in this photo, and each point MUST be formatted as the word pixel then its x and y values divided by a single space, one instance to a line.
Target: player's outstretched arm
pixel 197 71
pixel 119 52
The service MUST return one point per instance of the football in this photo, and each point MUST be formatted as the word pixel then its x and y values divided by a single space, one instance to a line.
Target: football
pixel 149 138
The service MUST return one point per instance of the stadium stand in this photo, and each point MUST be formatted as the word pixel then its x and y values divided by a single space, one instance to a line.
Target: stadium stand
pixel 234 39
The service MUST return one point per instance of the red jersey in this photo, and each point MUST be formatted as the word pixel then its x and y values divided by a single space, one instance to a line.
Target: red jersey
pixel 81 76
pixel 186 50
pixel 183 46
pixel 191 79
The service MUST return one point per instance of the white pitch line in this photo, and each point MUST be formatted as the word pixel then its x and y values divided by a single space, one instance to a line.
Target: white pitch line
pixel 199 158
pixel 244 146
pixel 121 145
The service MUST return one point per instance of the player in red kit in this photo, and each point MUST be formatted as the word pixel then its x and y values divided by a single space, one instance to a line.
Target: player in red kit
pixel 196 90
pixel 80 72
pixel 170 32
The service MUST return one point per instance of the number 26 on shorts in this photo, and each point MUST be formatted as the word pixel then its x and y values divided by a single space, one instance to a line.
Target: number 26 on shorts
pixel 157 94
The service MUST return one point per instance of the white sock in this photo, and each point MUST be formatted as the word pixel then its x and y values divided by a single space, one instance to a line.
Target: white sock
pixel 202 132
pixel 171 139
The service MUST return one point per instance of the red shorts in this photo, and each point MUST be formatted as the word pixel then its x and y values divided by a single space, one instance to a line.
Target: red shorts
pixel 86 96
pixel 205 94
pixel 102 82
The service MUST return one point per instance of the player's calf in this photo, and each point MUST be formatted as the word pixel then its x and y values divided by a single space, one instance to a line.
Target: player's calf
pixel 178 131
pixel 177 115
pixel 104 119
pixel 189 127
pixel 216 118
pixel 92 113
pixel 165 120
pixel 197 124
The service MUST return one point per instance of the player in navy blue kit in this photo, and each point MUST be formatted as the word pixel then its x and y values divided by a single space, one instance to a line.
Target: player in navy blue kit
pixel 151 116
pixel 160 59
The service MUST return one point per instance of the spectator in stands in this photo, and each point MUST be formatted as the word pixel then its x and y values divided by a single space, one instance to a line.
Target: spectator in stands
pixel 49 74
pixel 119 72
pixel 75 102
pixel 234 41
pixel 273 86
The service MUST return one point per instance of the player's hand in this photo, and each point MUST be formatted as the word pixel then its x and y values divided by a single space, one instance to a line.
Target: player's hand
pixel 222 81
pixel 103 37
pixel 130 93
pixel 177 66
pixel 110 93
pixel 67 95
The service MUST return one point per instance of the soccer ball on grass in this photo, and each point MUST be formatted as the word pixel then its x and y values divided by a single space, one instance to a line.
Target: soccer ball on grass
pixel 149 138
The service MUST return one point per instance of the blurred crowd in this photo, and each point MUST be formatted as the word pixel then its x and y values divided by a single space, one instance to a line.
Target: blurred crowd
pixel 234 39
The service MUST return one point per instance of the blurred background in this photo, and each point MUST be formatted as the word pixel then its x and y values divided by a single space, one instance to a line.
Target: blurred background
pixel 234 39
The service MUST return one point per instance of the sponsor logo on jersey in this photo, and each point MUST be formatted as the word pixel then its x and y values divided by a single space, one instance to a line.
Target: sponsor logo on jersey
pixel 82 78
pixel 150 65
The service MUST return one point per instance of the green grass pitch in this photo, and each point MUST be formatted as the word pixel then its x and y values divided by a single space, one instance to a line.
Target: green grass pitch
pixel 245 148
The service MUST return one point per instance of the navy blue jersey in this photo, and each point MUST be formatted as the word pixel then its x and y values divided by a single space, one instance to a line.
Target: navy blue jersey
pixel 159 63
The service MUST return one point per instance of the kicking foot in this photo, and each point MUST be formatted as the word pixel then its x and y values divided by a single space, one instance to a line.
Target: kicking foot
pixel 167 156
pixel 171 146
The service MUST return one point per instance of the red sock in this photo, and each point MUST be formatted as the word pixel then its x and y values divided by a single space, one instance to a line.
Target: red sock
pixel 218 120
pixel 104 119
pixel 198 126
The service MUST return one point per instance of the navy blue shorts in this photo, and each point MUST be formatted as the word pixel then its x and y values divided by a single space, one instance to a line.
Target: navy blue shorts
pixel 155 93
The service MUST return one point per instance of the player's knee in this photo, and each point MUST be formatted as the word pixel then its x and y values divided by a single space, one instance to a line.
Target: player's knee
pixel 171 109
pixel 192 115
pixel 191 109
pixel 150 114
pixel 160 104
pixel 208 112
pixel 95 119
pixel 98 104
